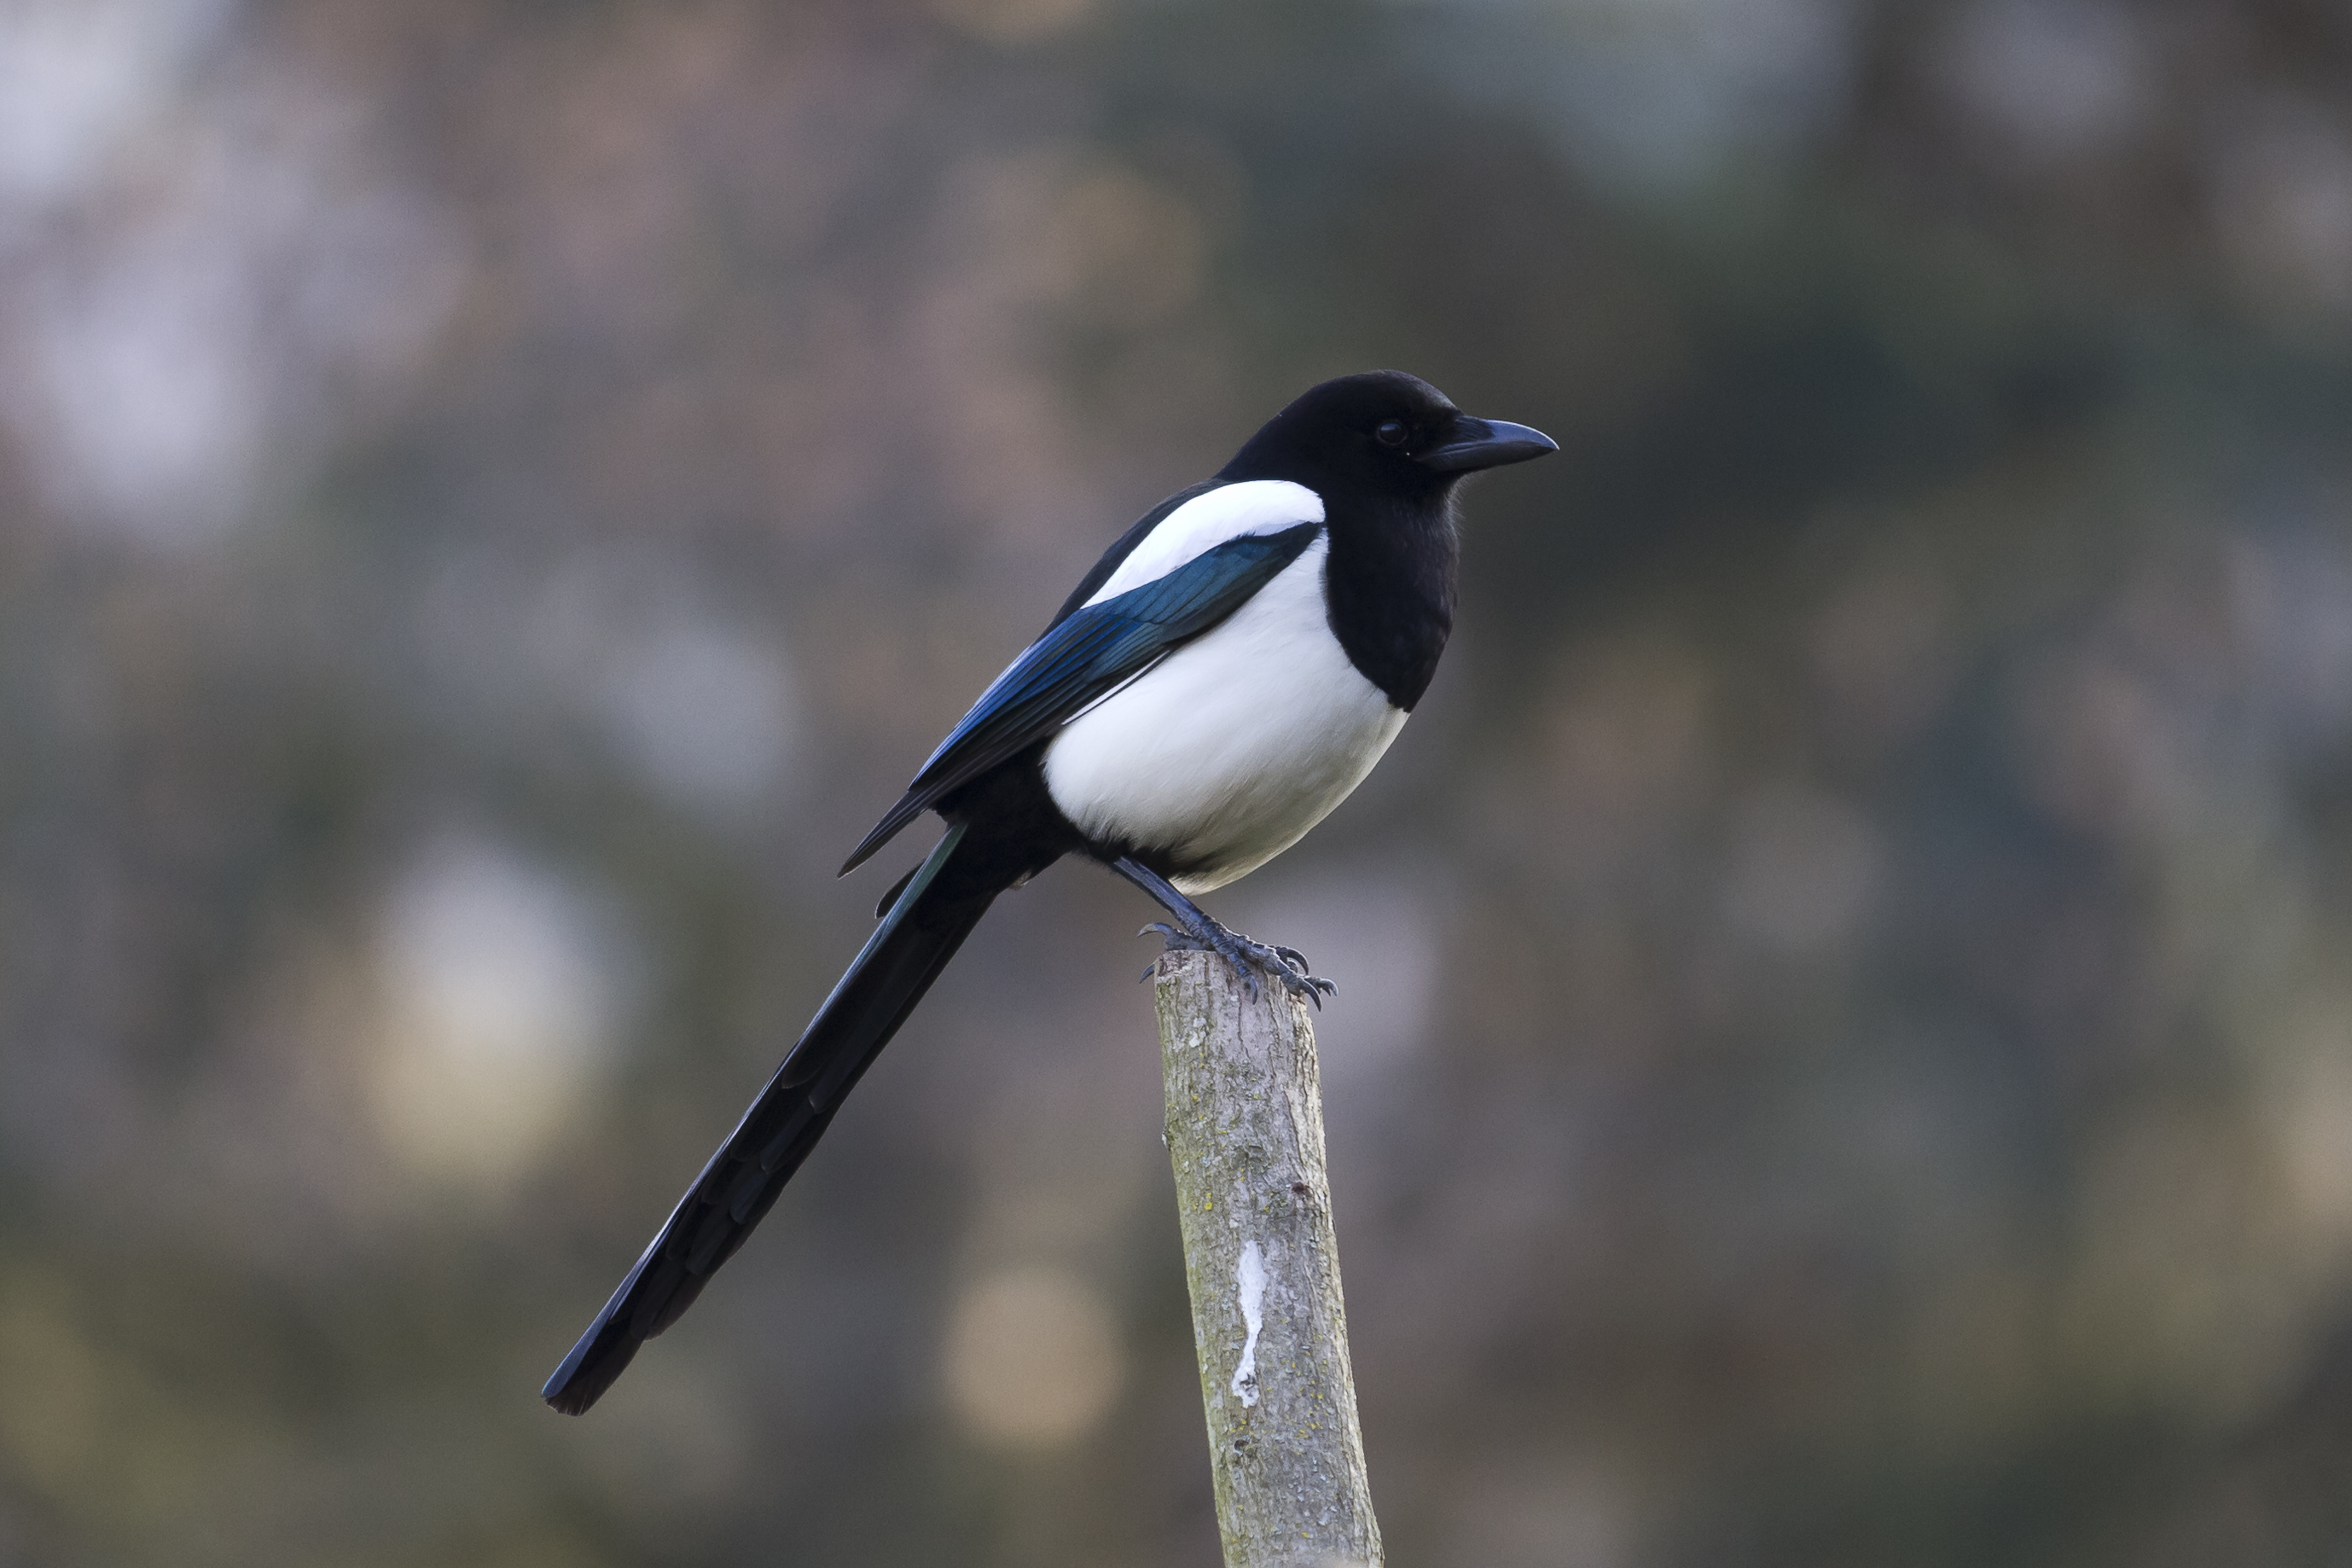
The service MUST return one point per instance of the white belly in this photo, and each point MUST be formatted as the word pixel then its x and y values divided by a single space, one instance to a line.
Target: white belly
pixel 1227 752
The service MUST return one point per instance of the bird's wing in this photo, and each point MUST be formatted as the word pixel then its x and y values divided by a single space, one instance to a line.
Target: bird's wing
pixel 1088 654
pixel 1194 519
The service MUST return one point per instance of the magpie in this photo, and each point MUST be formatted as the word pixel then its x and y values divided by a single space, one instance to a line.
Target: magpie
pixel 1228 671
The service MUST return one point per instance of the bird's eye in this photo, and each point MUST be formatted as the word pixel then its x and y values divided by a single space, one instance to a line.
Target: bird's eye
pixel 1390 433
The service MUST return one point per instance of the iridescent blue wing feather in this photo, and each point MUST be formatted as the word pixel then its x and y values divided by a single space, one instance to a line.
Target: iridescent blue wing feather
pixel 1085 656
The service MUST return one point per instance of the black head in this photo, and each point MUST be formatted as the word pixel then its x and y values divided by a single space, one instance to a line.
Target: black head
pixel 1385 431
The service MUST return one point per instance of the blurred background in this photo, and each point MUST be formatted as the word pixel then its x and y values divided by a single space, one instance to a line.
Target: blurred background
pixel 1844 1053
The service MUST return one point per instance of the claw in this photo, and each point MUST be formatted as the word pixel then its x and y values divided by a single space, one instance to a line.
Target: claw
pixel 1179 940
pixel 1248 957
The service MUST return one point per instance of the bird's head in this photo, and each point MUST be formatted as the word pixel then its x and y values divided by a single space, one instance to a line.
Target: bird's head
pixel 1393 432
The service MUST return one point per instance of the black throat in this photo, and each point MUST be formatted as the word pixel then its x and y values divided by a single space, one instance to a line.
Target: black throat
pixel 1389 584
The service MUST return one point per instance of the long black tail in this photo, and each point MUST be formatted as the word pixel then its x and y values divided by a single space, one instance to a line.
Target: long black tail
pixel 926 923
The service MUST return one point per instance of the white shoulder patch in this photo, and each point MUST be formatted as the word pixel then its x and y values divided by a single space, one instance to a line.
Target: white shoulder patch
pixel 1201 524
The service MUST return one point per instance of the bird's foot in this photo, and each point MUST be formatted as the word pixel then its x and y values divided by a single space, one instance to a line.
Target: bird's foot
pixel 1248 957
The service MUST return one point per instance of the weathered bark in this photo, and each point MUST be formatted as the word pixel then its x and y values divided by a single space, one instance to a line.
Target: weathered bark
pixel 1246 1135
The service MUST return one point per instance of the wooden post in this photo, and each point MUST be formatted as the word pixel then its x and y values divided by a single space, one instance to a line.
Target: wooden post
pixel 1246 1135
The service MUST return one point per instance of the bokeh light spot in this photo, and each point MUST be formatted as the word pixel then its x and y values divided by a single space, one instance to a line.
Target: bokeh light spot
pixel 1034 1358
pixel 502 988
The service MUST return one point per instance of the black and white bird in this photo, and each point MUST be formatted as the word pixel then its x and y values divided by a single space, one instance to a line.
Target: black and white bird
pixel 1230 668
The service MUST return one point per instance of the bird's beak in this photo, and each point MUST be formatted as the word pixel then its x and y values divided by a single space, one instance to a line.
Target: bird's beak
pixel 1486 443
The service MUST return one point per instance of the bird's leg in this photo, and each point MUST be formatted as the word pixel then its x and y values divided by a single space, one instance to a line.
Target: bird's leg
pixel 1195 930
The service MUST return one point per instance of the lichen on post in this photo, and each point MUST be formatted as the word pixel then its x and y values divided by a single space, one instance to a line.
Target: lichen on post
pixel 1253 1195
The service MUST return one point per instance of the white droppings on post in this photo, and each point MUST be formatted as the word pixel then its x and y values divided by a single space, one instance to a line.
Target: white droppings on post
pixel 1250 1275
